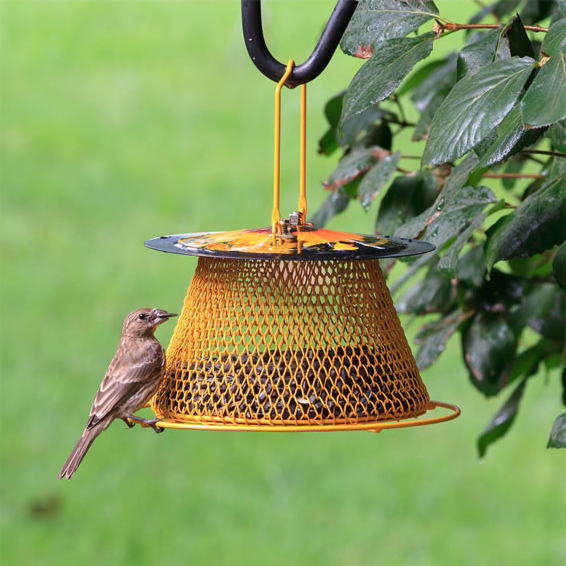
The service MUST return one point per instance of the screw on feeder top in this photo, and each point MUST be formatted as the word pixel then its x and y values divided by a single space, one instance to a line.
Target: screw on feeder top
pixel 318 59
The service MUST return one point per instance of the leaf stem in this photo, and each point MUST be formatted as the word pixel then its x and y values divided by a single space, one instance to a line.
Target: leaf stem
pixel 445 28
pixel 543 152
pixel 513 176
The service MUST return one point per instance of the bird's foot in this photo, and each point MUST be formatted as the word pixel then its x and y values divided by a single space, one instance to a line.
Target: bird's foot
pixel 147 422
pixel 129 423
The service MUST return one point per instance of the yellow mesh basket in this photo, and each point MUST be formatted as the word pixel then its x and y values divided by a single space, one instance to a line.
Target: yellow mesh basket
pixel 289 342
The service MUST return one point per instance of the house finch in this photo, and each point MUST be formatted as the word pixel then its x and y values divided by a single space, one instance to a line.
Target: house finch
pixel 132 378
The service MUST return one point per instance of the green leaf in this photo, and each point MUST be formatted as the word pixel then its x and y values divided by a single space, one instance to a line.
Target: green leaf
pixel 557 135
pixel 433 338
pixel 405 198
pixel 538 224
pixel 328 143
pixel 489 347
pixel 470 271
pixel 483 49
pixel 543 310
pixel 430 94
pixel 360 123
pixel 477 104
pixel 456 213
pixel 519 43
pixel 536 10
pixel 559 265
pixel 498 9
pixel 415 79
pixel 555 38
pixel 432 294
pixel 499 294
pixel 334 204
pixel 350 167
pixel 512 137
pixel 559 11
pixel 391 62
pixel 376 178
pixel 502 421
pixel 544 102
pixel 456 180
pixel 527 362
pixel 378 20
pixel 449 260
pixel 557 437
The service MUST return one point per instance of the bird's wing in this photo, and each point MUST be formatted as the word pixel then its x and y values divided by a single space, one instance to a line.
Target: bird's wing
pixel 128 372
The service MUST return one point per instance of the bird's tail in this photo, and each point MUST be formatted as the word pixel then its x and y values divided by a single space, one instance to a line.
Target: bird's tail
pixel 79 452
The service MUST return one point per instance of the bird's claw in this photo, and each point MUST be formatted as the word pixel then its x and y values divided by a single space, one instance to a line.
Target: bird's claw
pixel 129 423
pixel 145 422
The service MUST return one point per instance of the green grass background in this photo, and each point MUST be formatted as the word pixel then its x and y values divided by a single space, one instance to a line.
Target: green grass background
pixel 127 120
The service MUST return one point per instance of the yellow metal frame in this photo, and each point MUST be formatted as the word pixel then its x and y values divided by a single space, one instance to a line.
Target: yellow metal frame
pixel 302 206
pixel 374 426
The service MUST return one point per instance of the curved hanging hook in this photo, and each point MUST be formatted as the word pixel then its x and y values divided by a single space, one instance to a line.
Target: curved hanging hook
pixel 319 58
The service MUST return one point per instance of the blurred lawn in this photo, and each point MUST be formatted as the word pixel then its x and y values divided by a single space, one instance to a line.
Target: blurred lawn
pixel 127 120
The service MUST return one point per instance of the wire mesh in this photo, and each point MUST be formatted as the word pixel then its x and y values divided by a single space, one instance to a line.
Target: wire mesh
pixel 283 343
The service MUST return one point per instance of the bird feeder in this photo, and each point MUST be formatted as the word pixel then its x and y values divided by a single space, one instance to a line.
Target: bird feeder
pixel 291 327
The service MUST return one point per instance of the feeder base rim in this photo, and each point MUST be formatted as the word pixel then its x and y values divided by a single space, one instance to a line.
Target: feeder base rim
pixel 376 426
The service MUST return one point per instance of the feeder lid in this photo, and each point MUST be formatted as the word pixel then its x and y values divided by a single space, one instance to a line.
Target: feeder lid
pixel 300 243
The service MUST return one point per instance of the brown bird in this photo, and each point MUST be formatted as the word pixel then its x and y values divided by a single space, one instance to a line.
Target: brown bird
pixel 132 378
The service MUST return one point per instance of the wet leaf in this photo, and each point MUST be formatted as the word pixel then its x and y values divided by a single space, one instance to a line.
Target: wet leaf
pixel 433 338
pixel 449 260
pixel 543 310
pixel 527 362
pixel 557 437
pixel 511 138
pixel 498 9
pixel 557 135
pixel 391 62
pixel 430 94
pixel 476 105
pixel 377 20
pixel 559 265
pixel 354 128
pixel 454 183
pixel 334 204
pixel 432 294
pixel 405 198
pixel 416 78
pixel 544 102
pixel 519 43
pixel 502 421
pixel 559 11
pixel 350 167
pixel 376 178
pixel 328 143
pixel 489 347
pixel 536 10
pixel 470 271
pixel 456 213
pixel 499 294
pixel 483 49
pixel 538 224
pixel 555 38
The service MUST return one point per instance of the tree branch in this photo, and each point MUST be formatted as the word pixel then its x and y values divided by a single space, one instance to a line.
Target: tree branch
pixel 513 176
pixel 441 27
pixel 543 152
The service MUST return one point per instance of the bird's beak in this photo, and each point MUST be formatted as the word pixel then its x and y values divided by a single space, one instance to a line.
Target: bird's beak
pixel 159 316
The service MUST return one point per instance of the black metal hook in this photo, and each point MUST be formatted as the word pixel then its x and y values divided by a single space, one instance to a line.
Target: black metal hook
pixel 319 58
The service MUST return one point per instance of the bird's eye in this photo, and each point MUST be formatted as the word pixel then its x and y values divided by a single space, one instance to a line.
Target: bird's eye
pixel 142 316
